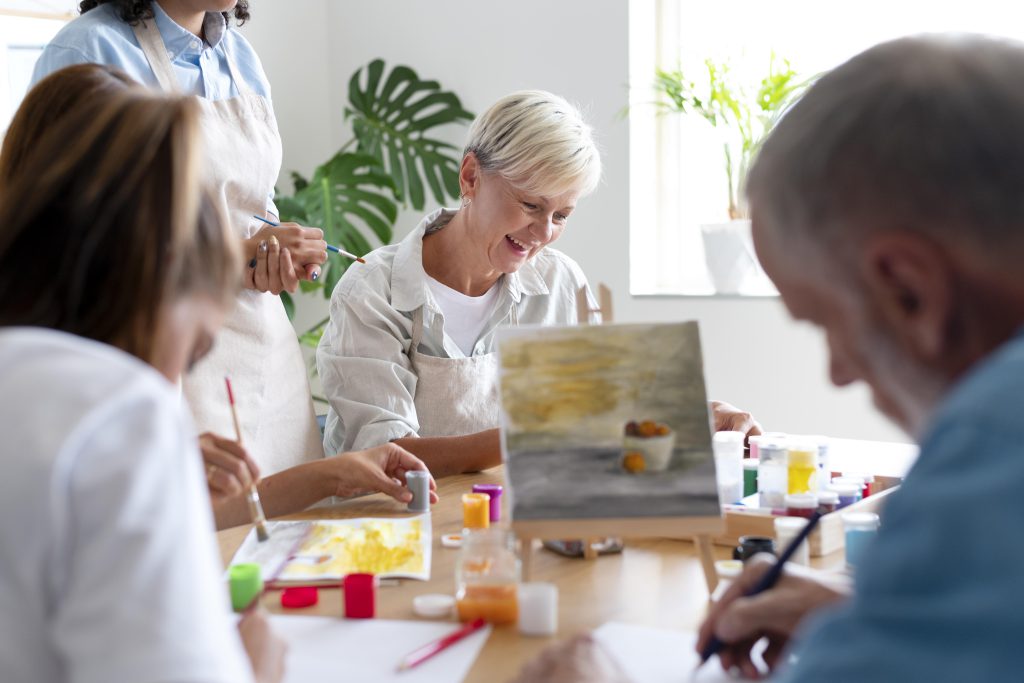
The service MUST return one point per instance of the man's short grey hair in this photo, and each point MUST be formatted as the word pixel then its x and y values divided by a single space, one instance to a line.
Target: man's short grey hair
pixel 538 142
pixel 922 134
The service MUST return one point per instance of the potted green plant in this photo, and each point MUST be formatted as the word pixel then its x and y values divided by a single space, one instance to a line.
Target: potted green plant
pixel 392 159
pixel 745 116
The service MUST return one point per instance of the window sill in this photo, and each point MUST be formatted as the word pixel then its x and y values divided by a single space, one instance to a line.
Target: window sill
pixel 765 296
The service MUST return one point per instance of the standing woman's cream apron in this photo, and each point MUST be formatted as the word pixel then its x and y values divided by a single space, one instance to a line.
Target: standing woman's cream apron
pixel 257 346
pixel 454 396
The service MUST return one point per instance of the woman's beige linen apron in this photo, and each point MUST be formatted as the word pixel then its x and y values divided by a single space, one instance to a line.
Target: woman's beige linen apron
pixel 257 347
pixel 454 396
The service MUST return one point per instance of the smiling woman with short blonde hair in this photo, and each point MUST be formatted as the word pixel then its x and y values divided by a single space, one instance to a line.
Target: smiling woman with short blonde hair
pixel 410 352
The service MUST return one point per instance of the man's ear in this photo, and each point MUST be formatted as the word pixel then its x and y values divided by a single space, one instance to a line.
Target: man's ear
pixel 909 283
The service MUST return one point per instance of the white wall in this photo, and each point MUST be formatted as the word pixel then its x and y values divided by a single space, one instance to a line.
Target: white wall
pixel 754 356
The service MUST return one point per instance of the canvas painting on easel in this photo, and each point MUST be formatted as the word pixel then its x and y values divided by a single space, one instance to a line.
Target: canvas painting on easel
pixel 607 421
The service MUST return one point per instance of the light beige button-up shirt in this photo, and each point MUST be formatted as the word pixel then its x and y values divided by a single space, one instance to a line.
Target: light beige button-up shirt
pixel 363 356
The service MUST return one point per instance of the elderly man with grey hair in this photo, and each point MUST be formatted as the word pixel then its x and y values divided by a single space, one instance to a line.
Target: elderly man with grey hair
pixel 888 209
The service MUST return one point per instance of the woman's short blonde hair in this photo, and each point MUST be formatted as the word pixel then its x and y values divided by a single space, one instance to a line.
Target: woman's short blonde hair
pixel 538 142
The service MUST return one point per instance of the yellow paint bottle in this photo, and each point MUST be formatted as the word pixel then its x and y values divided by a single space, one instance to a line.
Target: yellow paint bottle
pixel 802 462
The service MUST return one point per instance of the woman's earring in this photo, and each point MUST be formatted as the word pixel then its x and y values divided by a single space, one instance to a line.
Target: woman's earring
pixel 466 201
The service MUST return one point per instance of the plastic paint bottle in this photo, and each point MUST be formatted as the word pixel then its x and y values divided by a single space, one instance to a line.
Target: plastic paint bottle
pixel 476 510
pixel 755 446
pixel 828 501
pixel 848 494
pixel 860 528
pixel 801 505
pixel 803 466
pixel 750 476
pixel 786 528
pixel 852 480
pixel 772 473
pixel 824 475
pixel 493 491
pixel 728 448
pixel 418 482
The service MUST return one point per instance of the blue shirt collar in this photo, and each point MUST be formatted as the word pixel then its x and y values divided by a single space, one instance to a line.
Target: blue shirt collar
pixel 409 279
pixel 179 40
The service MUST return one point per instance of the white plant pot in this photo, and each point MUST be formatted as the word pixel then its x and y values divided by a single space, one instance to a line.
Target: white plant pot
pixel 729 254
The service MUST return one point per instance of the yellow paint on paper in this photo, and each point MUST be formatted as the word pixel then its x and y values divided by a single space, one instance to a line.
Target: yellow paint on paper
pixel 371 546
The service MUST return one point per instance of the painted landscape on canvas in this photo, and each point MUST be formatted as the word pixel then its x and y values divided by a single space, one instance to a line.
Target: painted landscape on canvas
pixel 606 421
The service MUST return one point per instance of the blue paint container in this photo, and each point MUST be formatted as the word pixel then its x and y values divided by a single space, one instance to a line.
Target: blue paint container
pixel 860 529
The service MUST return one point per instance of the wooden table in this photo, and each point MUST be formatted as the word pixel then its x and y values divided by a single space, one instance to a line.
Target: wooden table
pixel 656 582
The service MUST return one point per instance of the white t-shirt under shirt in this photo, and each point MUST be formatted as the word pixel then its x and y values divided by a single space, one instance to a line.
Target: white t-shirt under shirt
pixel 465 317
pixel 109 570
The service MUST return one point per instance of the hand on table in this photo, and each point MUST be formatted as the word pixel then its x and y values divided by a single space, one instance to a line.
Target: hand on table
pixel 740 621
pixel 381 468
pixel 729 418
pixel 229 468
pixel 266 650
pixel 578 660
pixel 280 256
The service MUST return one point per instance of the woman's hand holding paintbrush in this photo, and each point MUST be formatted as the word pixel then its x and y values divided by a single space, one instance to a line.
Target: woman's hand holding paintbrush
pixel 259 520
pixel 230 470
pixel 739 620
pixel 281 254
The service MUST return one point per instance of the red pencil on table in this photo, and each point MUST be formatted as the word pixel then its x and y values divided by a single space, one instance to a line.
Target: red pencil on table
pixel 420 655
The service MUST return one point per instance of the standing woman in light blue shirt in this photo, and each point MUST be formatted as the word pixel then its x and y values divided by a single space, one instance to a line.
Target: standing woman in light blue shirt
pixel 189 46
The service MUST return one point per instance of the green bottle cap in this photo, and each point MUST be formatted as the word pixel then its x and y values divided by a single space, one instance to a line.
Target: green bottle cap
pixel 246 584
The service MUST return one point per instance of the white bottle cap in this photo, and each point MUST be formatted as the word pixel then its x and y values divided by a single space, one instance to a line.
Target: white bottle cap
pixel 861 521
pixel 801 501
pixel 828 498
pixel 433 605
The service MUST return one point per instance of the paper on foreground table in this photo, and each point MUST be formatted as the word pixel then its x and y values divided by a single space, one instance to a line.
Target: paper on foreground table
pixel 654 655
pixel 328 649
pixel 327 550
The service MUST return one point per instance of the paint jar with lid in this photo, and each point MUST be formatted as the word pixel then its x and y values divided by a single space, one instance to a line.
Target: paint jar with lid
pixel 728 449
pixel 772 473
pixel 476 510
pixel 750 476
pixel 802 465
pixel 487 577
pixel 801 505
pixel 852 480
pixel 868 479
pixel 848 494
pixel 824 474
pixel 752 545
pixel 859 528
pixel 786 529
pixel 728 571
pixel 755 446
pixel 828 501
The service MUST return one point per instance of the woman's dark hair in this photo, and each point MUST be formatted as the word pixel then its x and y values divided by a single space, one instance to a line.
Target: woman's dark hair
pixel 134 11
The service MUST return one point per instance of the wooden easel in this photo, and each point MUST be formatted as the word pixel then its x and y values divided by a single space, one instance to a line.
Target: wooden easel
pixel 699 529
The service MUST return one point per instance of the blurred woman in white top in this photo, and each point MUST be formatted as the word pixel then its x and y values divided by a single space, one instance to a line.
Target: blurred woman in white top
pixel 116 272
pixel 409 355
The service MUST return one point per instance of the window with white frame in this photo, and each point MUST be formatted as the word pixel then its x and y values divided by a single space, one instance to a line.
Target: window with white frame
pixel 26 26
pixel 678 181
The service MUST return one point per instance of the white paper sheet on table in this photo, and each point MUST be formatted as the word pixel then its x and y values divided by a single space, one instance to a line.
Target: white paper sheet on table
pixel 654 655
pixel 324 649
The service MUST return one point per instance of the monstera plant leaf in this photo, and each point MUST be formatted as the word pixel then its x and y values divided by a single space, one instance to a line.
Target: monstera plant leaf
pixel 391 118
pixel 350 198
